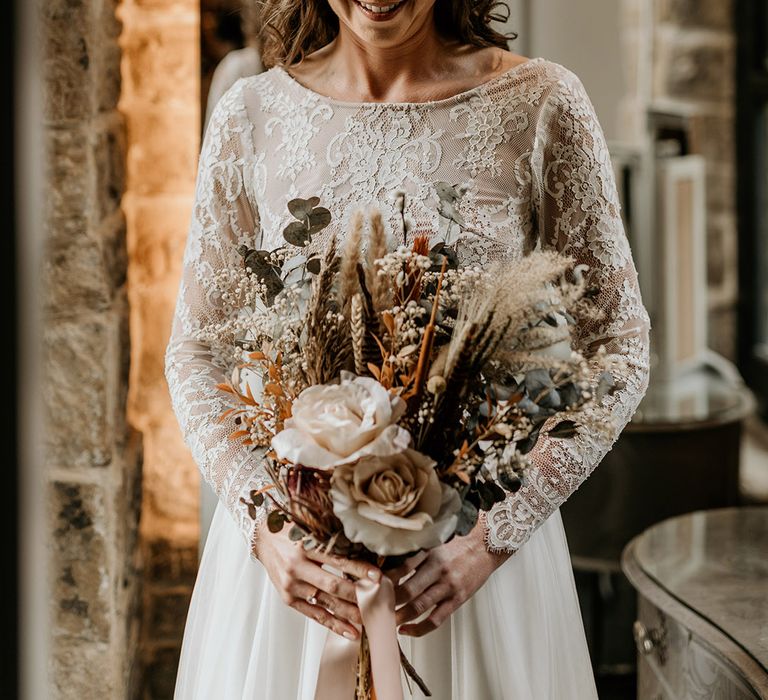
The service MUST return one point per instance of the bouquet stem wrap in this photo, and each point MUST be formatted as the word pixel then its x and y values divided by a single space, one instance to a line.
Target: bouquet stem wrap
pixel 338 665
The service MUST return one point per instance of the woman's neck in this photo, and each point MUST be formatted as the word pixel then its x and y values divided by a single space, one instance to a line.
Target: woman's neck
pixel 363 72
pixel 374 69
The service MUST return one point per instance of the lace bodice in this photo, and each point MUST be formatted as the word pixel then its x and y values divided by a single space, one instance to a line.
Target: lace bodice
pixel 529 150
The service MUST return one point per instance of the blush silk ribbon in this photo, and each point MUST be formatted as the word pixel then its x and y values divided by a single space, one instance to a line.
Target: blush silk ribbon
pixel 338 665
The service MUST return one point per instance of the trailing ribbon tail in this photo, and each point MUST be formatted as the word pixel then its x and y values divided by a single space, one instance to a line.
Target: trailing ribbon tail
pixel 338 666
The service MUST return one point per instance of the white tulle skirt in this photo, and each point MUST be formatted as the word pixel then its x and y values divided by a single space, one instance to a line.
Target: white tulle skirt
pixel 519 638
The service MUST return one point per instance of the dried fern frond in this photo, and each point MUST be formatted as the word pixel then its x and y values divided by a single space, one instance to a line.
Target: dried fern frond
pixel 350 259
pixel 327 347
pixel 357 332
pixel 377 249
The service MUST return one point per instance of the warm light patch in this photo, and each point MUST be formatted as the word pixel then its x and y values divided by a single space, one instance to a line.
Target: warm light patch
pixel 160 101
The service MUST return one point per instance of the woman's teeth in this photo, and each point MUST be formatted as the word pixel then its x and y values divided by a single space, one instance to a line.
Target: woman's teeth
pixel 379 9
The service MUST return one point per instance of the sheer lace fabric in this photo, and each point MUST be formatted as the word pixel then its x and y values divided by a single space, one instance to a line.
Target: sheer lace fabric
pixel 529 149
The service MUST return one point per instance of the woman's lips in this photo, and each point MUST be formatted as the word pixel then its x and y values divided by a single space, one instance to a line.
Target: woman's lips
pixel 379 12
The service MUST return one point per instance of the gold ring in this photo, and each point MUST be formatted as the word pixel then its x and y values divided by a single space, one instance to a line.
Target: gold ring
pixel 312 598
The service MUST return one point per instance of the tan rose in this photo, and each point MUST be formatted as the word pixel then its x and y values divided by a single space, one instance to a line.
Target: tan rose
pixel 394 504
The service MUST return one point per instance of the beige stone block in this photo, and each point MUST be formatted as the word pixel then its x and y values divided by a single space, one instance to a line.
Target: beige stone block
pixel 80 561
pixel 162 158
pixel 79 389
pixel 66 31
pixel 69 173
pixel 74 276
pixel 82 670
pixel 162 66
pixel 695 68
pixel 710 14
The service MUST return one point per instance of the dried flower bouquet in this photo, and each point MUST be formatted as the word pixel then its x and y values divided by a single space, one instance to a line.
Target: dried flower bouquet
pixel 394 395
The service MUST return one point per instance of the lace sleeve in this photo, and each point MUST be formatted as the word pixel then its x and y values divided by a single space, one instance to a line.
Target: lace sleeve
pixel 223 218
pixel 576 210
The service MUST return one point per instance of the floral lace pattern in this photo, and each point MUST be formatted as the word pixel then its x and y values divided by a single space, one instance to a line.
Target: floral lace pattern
pixel 529 151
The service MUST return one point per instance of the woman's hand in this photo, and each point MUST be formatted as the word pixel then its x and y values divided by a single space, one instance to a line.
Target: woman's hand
pixel 308 588
pixel 444 579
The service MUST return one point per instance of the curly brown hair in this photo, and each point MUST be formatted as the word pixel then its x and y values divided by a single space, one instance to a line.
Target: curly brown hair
pixel 293 29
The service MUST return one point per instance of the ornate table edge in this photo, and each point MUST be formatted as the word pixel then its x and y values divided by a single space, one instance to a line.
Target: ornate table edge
pixel 706 632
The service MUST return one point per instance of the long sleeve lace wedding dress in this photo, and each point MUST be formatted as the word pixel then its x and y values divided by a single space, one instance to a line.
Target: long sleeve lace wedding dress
pixel 529 150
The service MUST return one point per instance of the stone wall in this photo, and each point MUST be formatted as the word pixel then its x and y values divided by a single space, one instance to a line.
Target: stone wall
pixel 93 457
pixel 160 101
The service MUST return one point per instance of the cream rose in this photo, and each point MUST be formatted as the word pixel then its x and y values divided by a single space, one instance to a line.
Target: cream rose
pixel 333 424
pixel 394 504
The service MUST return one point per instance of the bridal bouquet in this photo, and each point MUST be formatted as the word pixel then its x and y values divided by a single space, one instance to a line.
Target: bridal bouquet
pixel 396 394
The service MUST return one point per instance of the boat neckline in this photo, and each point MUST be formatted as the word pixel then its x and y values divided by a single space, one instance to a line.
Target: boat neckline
pixel 458 97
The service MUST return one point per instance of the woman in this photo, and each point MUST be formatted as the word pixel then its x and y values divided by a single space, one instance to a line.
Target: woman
pixel 363 100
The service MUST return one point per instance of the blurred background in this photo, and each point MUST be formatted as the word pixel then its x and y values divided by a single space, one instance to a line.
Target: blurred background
pixel 110 104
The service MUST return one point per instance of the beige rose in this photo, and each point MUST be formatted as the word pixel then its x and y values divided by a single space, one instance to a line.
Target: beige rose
pixel 394 504
pixel 333 424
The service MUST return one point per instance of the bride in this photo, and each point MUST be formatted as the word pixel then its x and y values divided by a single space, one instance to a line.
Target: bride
pixel 364 99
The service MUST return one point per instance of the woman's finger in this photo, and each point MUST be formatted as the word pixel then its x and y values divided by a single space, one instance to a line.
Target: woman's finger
pixel 310 572
pixel 428 573
pixel 436 618
pixel 357 569
pixel 341 609
pixel 433 596
pixel 407 567
pixel 325 618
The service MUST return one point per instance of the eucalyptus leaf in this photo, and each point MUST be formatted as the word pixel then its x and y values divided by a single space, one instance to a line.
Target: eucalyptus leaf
pixel 294 277
pixel 275 521
pixel 536 381
pixel 297 261
pixel 449 211
pixel 318 219
pixel 442 252
pixel 467 518
pixel 302 208
pixel 511 482
pixel 525 445
pixel 296 533
pixel 487 495
pixel 297 233
pixel 564 429
pixel 570 394
pixel 314 265
pixel 550 399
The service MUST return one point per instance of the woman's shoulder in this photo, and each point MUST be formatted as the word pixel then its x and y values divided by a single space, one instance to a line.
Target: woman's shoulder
pixel 540 70
pixel 545 84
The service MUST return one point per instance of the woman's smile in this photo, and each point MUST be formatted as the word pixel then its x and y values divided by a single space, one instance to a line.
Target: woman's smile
pixel 379 12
